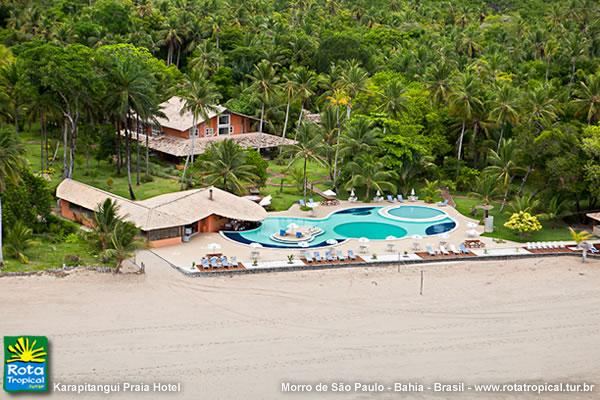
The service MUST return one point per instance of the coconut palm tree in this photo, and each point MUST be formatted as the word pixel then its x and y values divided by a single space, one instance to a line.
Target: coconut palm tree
pixel 486 187
pixel 358 138
pixel 337 99
pixel 541 107
pixel 11 162
pixel 263 79
pixel 369 172
pixel 587 98
pixel 504 165
pixel 465 102
pixel 504 109
pixel 307 148
pixel 304 81
pixel 11 89
pixel 438 76
pixel 106 217
pixel 200 97
pixel 123 243
pixel 131 90
pixel 223 164
pixel 289 88
pixel 353 81
pixel 394 99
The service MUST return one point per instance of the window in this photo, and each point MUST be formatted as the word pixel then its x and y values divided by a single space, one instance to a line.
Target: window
pixel 156 130
pixel 208 132
pixel 231 129
pixel 166 233
pixel 194 131
pixel 224 119
pixel 224 124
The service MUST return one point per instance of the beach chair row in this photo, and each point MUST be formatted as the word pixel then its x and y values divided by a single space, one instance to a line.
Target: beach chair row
pixel 446 251
pixel 330 256
pixel 545 245
pixel 218 262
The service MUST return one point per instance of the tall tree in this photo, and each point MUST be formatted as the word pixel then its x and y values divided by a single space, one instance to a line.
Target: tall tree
pixel 587 98
pixel 263 79
pixel 224 164
pixel 307 148
pixel 465 99
pixel 200 98
pixel 130 91
pixel 11 162
pixel 504 109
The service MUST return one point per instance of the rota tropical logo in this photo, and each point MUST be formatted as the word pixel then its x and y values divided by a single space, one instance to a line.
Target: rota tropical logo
pixel 25 363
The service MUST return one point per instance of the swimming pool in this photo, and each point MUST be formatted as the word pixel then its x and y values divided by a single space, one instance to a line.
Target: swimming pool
pixel 374 223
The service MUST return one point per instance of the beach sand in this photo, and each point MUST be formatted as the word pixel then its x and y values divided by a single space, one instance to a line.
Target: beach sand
pixel 240 337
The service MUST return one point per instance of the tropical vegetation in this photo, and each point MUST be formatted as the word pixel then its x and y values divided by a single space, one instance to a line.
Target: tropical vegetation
pixel 499 102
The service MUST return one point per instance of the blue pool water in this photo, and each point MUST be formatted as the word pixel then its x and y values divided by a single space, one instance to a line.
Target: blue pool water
pixel 353 223
pixel 416 212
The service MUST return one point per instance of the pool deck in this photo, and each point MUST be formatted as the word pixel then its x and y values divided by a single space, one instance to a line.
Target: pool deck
pixel 184 254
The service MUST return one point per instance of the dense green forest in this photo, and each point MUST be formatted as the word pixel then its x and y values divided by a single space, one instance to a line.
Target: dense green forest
pixel 494 99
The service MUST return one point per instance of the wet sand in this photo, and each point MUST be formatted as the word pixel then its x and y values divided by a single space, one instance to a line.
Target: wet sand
pixel 240 337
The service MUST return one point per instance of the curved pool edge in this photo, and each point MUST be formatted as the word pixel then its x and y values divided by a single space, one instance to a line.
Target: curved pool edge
pixel 444 215
pixel 384 212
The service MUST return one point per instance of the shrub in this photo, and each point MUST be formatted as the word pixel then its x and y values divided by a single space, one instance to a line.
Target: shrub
pixel 29 202
pixel 18 239
pixel 523 222
pixel 72 260
pixel 147 178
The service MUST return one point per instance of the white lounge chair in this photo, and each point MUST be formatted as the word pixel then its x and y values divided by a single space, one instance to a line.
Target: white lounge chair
pixel 454 249
pixel 444 250
pixel 430 250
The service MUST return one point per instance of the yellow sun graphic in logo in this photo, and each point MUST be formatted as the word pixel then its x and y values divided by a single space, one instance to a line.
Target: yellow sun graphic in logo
pixel 26 352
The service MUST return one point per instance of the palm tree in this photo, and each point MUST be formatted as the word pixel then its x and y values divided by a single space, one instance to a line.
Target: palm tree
pixel 486 188
pixel 353 81
pixel 123 243
pixel 105 220
pixel 171 38
pixel 358 138
pixel 504 109
pixel 11 162
pixel 131 90
pixel 304 81
pixel 200 97
pixel 555 209
pixel 540 106
pixel 465 100
pixel 438 78
pixel 11 87
pixel 18 239
pixel 224 165
pixel 525 203
pixel 263 80
pixel 394 99
pixel 337 99
pixel 289 88
pixel 580 236
pixel 588 98
pixel 504 165
pixel 307 148
pixel 369 172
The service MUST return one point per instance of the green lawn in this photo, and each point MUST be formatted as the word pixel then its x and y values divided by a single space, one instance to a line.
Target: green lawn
pixel 465 204
pixel 98 173
pixel 44 255
pixel 284 198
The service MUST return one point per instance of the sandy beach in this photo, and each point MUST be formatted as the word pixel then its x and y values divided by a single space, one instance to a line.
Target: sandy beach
pixel 240 337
